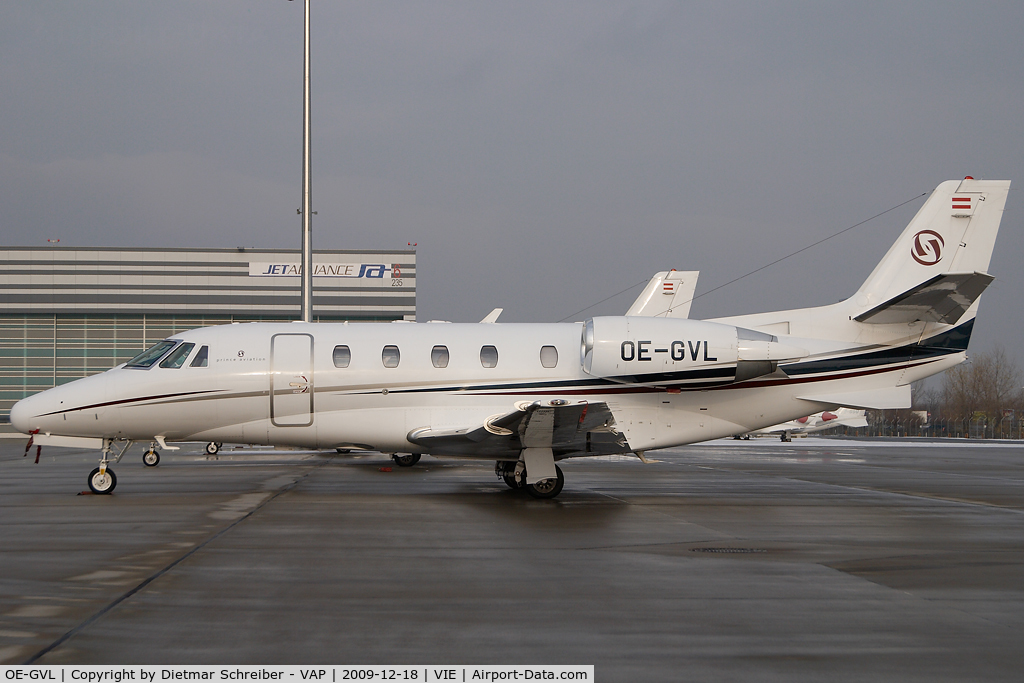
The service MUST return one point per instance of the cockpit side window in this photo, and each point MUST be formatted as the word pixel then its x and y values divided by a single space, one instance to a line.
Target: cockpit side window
pixel 176 358
pixel 147 358
pixel 202 358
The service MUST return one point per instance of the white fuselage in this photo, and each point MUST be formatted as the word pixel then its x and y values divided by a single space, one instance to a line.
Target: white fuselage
pixel 279 384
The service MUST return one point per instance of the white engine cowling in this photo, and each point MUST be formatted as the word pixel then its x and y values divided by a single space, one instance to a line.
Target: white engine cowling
pixel 683 353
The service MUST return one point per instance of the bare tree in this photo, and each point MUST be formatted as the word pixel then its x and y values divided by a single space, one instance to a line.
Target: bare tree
pixel 985 386
pixel 925 397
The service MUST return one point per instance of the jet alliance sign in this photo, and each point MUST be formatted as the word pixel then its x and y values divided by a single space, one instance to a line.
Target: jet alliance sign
pixel 352 270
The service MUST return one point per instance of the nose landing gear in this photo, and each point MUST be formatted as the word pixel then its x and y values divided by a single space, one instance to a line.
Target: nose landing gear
pixel 213 447
pixel 102 480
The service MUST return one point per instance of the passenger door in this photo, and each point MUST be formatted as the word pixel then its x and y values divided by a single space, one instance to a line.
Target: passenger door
pixel 291 380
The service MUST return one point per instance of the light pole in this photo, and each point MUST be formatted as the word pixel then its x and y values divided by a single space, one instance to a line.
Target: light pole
pixel 307 186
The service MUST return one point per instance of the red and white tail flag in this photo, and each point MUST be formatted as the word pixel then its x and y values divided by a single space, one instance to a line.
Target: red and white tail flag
pixel 961 202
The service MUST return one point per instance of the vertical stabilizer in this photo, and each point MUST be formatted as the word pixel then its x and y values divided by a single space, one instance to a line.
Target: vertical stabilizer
pixel 954 232
pixel 667 295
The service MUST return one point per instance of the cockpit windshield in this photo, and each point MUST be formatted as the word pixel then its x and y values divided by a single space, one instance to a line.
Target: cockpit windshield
pixel 147 358
pixel 176 358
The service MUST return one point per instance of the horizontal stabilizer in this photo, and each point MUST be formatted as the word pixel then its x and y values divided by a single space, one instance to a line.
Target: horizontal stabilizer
pixel 848 417
pixel 887 398
pixel 667 295
pixel 942 299
pixel 853 422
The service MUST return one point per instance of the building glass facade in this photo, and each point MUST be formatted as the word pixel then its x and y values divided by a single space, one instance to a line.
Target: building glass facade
pixel 66 313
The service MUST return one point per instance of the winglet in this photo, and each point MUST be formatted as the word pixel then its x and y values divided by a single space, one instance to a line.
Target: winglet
pixel 492 317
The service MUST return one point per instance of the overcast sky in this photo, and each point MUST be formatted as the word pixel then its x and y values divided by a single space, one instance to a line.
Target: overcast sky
pixel 544 155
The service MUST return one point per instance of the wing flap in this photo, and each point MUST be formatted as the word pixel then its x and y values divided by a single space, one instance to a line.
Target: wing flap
pixel 566 429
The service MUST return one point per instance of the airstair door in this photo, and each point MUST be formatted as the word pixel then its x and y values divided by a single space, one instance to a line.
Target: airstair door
pixel 291 380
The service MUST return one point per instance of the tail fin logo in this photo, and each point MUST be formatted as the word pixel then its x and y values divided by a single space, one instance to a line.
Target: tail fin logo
pixel 927 248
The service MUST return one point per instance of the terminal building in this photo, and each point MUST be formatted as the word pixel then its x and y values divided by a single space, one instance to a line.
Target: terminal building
pixel 67 313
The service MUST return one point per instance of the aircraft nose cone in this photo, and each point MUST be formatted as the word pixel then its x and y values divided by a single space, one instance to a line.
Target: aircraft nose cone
pixel 21 416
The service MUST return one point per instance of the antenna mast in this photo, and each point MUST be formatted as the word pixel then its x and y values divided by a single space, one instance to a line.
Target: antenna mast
pixel 307 189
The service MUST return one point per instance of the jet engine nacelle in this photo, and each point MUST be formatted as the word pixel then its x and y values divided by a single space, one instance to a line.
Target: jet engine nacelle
pixel 678 352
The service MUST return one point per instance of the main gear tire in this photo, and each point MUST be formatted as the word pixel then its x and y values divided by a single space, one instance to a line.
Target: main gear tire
pixel 406 459
pixel 510 481
pixel 547 488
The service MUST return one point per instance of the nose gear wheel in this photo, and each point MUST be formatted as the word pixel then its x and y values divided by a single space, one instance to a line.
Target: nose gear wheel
pixel 104 483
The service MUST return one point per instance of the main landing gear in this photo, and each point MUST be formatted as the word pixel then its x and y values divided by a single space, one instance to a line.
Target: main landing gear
pixel 547 488
pixel 512 473
pixel 405 459
pixel 514 476
pixel 151 458
pixel 102 480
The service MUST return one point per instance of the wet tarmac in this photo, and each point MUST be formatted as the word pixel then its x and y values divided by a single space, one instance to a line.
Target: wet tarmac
pixel 822 559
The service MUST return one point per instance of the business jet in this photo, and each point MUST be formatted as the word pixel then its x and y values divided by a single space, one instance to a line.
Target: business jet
pixel 827 419
pixel 527 396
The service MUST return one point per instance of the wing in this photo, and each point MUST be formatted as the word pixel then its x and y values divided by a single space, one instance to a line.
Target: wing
pixel 567 429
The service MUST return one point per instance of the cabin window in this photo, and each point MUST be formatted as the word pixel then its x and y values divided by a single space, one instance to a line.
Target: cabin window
pixel 342 356
pixel 202 358
pixel 176 358
pixel 390 356
pixel 548 356
pixel 488 356
pixel 147 358
pixel 439 356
